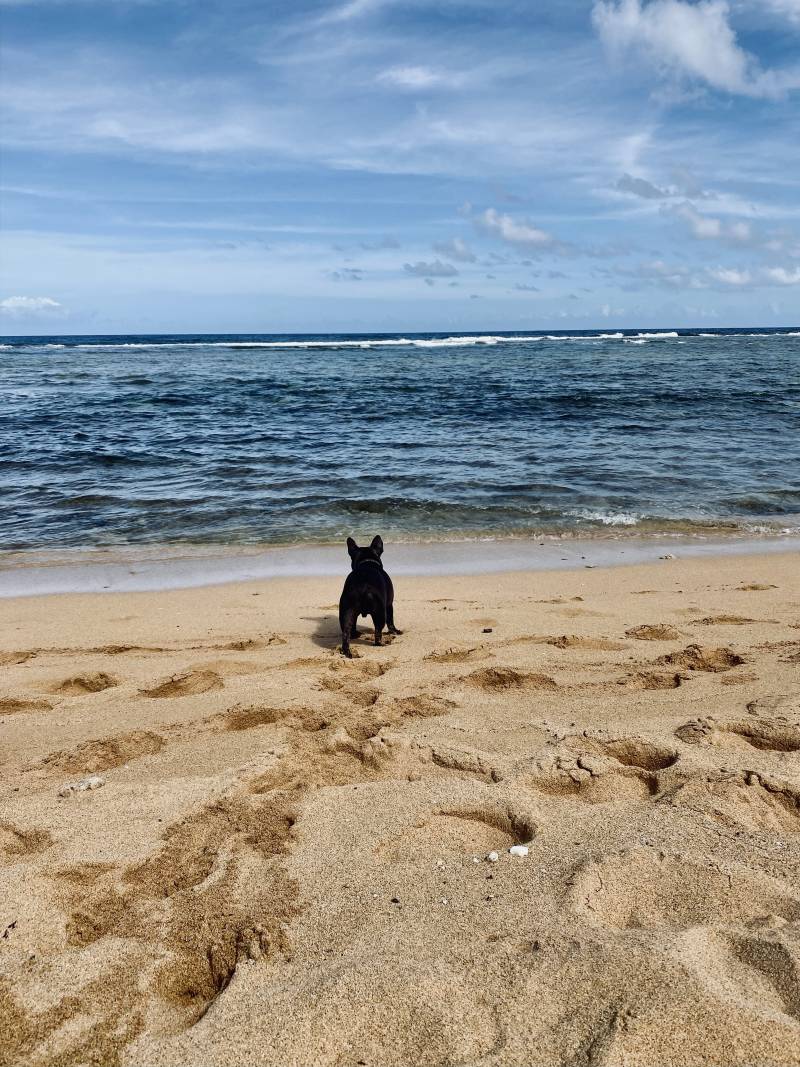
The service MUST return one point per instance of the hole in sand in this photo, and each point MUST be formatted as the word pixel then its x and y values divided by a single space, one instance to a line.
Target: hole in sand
pixel 637 752
pixel 456 832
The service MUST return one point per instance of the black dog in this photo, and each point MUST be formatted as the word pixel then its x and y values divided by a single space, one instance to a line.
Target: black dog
pixel 368 590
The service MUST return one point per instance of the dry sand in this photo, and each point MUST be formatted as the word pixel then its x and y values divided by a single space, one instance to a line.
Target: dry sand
pixel 285 863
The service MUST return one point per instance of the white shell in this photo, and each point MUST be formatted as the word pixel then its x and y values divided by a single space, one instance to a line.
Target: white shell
pixel 492 857
pixel 94 781
pixel 519 850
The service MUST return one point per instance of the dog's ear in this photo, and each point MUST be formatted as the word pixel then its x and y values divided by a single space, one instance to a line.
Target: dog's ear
pixel 376 545
pixel 352 547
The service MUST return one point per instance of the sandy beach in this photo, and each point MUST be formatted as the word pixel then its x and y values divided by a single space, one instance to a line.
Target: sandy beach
pixel 286 857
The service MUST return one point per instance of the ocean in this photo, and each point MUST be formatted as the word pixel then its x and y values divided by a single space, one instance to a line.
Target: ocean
pixel 268 440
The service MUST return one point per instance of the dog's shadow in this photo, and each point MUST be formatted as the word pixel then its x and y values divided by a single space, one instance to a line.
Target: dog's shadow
pixel 328 635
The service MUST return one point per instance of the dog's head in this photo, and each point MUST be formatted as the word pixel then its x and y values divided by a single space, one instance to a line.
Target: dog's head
pixel 364 555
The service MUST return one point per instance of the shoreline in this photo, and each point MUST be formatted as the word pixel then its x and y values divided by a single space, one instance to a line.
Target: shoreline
pixel 152 569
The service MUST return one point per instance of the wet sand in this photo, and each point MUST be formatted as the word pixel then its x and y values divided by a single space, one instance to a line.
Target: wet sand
pixel 283 859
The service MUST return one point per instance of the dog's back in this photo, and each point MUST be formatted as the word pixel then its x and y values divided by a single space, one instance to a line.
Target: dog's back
pixel 368 590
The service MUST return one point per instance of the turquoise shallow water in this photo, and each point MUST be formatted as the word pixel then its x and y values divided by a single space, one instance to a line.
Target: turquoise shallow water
pixel 201 440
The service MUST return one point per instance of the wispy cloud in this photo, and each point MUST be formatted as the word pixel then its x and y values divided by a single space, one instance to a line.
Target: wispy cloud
pixel 418 78
pixel 20 306
pixel 660 274
pixel 788 8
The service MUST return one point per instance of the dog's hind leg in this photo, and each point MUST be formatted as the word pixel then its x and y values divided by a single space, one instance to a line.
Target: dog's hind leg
pixel 347 622
pixel 390 626
pixel 379 618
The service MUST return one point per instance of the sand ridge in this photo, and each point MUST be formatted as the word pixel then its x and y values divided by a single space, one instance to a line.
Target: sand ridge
pixel 286 863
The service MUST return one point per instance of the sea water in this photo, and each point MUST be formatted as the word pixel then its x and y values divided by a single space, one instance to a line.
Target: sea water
pixel 276 439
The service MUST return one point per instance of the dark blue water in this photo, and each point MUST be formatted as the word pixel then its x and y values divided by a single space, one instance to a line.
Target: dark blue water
pixel 267 439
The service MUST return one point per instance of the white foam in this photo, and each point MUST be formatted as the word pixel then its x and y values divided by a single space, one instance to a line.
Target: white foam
pixel 612 518
pixel 452 341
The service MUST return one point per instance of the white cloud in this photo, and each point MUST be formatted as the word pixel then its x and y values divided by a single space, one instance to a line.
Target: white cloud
pixel 353 9
pixel 514 231
pixel 789 8
pixel 679 276
pixel 417 78
pixel 782 276
pixel 709 228
pixel 29 305
pixel 455 249
pixel 731 276
pixel 690 39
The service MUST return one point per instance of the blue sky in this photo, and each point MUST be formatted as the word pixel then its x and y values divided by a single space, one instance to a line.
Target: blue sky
pixel 392 165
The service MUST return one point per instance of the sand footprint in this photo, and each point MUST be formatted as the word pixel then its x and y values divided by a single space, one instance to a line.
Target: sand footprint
pixel 646 889
pixel 16 842
pixel 701 658
pixel 652 680
pixel 81 684
pixel 105 754
pixel 190 683
pixel 759 971
pixel 251 644
pixel 501 679
pixel 579 783
pixel 456 654
pixel 767 735
pixel 747 800
pixel 594 644
pixel 614 771
pixel 9 659
pixel 257 715
pixel 13 705
pixel 660 631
